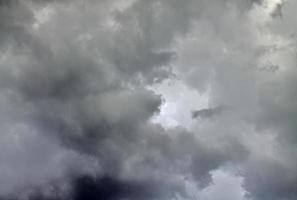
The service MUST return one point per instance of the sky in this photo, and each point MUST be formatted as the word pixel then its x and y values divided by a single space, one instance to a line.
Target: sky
pixel 148 100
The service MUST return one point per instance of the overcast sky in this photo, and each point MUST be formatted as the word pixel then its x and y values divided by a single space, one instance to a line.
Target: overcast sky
pixel 148 99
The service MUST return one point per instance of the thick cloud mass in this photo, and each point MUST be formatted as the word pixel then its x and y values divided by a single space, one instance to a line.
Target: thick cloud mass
pixel 84 94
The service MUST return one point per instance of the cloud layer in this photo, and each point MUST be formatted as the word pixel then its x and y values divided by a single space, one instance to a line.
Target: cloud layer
pixel 85 94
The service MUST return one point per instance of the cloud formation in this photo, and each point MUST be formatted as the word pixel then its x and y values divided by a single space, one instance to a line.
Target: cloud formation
pixel 79 91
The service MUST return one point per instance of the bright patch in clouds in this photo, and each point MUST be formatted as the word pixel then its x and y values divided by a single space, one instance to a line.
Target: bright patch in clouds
pixel 179 101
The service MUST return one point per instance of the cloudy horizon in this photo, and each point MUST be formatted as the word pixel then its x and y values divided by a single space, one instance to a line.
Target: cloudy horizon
pixel 148 100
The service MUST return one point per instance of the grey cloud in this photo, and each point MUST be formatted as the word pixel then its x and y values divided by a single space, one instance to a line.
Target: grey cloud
pixel 109 188
pixel 197 158
pixel 83 108
pixel 277 12
pixel 209 112
pixel 80 108
pixel 234 75
pixel 268 179
pixel 74 97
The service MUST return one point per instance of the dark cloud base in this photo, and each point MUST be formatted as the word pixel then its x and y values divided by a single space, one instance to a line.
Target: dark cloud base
pixel 91 188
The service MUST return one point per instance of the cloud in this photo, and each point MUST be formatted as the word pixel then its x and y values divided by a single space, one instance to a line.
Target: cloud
pixel 208 113
pixel 64 111
pixel 230 68
pixel 225 186
pixel 274 180
pixel 109 188
pixel 76 98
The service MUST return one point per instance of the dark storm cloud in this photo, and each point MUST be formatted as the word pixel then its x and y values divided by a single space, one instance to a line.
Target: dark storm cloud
pixel 109 188
pixel 74 98
pixel 62 108
pixel 75 108
pixel 86 187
